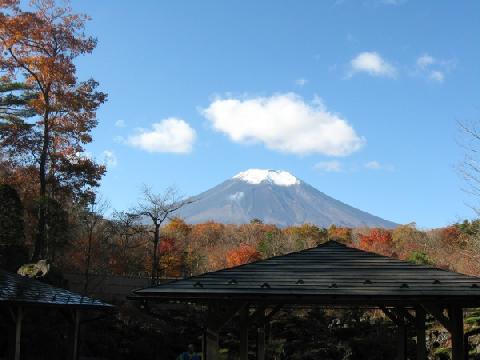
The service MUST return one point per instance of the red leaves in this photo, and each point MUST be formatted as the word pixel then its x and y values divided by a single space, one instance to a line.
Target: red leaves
pixel 378 241
pixel 451 235
pixel 242 255
pixel 167 245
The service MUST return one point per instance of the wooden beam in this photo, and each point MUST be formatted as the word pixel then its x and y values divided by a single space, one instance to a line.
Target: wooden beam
pixel 438 314
pixel 401 335
pixel 75 334
pixel 211 345
pixel 268 325
pixel 390 314
pixel 18 332
pixel 420 317
pixel 456 318
pixel 261 335
pixel 211 336
pixel 268 332
pixel 244 333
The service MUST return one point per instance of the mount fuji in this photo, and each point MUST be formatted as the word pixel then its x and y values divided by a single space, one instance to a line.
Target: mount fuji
pixel 275 197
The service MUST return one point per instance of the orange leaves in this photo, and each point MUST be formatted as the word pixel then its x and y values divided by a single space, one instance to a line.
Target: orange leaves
pixel 178 228
pixel 208 233
pixel 242 255
pixel 340 234
pixel 38 47
pixel 9 3
pixel 451 235
pixel 378 241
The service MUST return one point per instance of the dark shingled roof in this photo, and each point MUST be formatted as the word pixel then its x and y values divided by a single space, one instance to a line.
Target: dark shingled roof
pixel 331 273
pixel 20 290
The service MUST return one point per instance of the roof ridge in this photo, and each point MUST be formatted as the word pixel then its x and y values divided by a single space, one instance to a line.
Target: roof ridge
pixel 329 243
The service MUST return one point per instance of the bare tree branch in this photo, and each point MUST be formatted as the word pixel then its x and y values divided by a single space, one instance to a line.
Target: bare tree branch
pixel 158 207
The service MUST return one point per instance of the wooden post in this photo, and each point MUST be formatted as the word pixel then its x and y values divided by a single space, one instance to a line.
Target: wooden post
pixel 218 315
pixel 402 335
pixel 268 331
pixel 261 336
pixel 18 332
pixel 456 319
pixel 75 333
pixel 244 333
pixel 211 344
pixel 211 333
pixel 420 330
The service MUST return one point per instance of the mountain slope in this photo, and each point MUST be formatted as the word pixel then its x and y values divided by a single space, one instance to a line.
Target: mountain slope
pixel 275 197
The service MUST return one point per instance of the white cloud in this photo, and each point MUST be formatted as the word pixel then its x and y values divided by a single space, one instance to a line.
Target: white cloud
pixel 437 76
pixel 109 158
pixel 373 64
pixel 432 68
pixel 376 165
pixel 169 135
pixel 284 122
pixel 120 123
pixel 301 82
pixel 329 166
pixel 237 196
pixel 425 60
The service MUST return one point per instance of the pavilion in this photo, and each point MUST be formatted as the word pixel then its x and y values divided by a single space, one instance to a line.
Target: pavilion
pixel 330 275
pixel 20 295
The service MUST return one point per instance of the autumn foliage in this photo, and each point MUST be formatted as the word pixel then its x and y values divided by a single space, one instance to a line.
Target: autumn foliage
pixel 242 255
pixel 377 240
pixel 38 46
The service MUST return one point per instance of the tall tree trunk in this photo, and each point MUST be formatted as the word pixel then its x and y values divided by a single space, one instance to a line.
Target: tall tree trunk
pixel 89 256
pixel 39 251
pixel 156 240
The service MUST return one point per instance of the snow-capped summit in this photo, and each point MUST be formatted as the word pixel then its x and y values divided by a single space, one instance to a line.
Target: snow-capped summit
pixel 275 197
pixel 277 177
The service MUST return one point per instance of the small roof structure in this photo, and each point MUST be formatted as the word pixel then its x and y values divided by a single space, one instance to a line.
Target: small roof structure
pixel 18 293
pixel 329 274
pixel 20 290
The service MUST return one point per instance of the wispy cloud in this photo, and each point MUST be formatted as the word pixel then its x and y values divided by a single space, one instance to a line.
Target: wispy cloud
pixel 109 158
pixel 120 123
pixel 425 61
pixel 285 123
pixel 301 82
pixel 167 136
pixel 432 68
pixel 437 76
pixel 372 63
pixel 329 166
pixel 376 165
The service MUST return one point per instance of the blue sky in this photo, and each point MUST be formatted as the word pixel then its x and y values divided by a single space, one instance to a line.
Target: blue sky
pixel 358 98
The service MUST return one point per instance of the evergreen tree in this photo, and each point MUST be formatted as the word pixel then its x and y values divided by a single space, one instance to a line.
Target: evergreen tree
pixel 14 100
pixel 11 217
pixel 12 250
